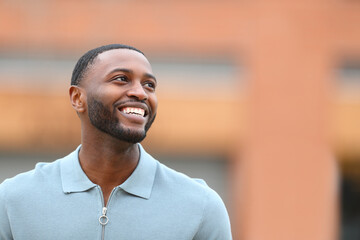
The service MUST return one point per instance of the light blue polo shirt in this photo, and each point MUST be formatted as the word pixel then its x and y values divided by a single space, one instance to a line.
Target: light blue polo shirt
pixel 57 201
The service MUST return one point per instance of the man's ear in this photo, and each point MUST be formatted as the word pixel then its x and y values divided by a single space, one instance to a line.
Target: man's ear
pixel 77 98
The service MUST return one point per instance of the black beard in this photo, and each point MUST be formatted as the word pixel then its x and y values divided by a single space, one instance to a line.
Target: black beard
pixel 107 122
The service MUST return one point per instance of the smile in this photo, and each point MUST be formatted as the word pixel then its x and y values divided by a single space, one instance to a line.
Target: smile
pixel 133 110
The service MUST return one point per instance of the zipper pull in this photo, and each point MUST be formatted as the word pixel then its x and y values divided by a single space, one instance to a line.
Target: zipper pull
pixel 103 219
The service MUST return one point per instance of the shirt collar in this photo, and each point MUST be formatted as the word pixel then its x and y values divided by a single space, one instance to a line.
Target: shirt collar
pixel 139 183
pixel 72 176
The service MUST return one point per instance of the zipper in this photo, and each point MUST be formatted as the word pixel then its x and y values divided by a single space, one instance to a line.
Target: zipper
pixel 103 219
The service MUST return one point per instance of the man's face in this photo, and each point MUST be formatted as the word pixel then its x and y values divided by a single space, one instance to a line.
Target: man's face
pixel 120 90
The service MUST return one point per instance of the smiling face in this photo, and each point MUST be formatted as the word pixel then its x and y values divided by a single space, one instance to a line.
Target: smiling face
pixel 120 94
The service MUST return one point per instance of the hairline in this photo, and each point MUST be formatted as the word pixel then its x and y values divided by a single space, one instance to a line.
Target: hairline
pixel 93 62
pixel 88 60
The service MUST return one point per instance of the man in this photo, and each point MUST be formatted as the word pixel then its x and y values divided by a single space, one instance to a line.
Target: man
pixel 109 187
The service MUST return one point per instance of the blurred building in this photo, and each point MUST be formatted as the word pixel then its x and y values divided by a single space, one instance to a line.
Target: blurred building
pixel 257 97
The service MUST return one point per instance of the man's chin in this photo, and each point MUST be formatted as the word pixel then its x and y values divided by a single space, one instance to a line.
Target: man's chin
pixel 130 135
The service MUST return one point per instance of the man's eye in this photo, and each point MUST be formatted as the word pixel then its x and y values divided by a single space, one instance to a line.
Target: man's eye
pixel 121 78
pixel 150 85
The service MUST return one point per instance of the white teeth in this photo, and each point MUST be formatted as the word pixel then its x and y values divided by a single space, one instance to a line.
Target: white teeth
pixel 130 110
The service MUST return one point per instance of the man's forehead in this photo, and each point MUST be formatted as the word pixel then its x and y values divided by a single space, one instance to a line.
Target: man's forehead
pixel 107 62
pixel 121 55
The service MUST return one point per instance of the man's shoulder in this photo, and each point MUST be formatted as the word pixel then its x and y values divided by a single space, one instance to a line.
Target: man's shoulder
pixel 194 194
pixel 32 179
pixel 166 178
pixel 174 177
pixel 183 183
pixel 195 197
pixel 44 173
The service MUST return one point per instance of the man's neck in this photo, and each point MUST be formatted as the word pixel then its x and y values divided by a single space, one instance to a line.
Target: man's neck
pixel 108 162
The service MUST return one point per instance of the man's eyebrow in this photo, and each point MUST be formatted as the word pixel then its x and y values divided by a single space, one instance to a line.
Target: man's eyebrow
pixel 121 70
pixel 147 75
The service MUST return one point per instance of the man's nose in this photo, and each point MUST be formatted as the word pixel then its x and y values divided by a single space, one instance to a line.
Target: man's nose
pixel 137 91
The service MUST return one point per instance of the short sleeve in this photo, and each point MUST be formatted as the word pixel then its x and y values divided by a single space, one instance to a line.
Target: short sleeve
pixel 215 224
pixel 5 230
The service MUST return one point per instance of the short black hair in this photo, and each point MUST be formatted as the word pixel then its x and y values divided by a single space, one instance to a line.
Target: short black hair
pixel 88 58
